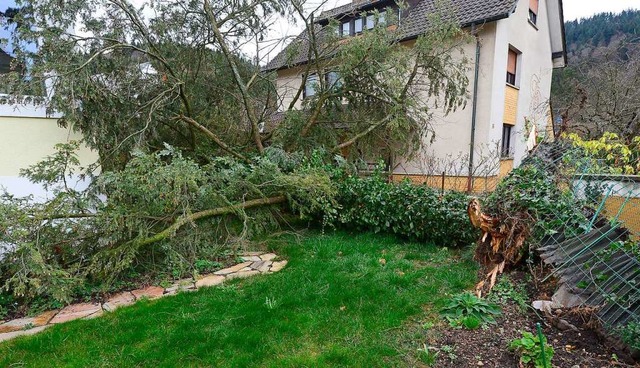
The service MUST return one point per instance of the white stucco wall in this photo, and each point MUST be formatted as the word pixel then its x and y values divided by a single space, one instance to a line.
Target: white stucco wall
pixel 535 70
pixel 453 131
pixel 27 135
pixel 287 84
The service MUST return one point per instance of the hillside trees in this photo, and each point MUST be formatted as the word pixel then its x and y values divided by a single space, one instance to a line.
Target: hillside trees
pixel 598 92
pixel 190 159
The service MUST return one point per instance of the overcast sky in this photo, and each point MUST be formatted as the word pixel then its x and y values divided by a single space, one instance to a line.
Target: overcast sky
pixel 575 9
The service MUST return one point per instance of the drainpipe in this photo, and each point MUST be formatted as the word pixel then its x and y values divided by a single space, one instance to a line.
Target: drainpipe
pixel 474 32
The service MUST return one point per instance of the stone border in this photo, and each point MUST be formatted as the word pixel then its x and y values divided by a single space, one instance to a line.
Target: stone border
pixel 254 263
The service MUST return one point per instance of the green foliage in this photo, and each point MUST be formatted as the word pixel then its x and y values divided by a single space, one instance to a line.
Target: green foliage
pixel 599 29
pixel 506 291
pixel 609 154
pixel 469 311
pixel 630 335
pixel 206 266
pixel 529 348
pixel 412 211
pixel 532 191
pixel 101 235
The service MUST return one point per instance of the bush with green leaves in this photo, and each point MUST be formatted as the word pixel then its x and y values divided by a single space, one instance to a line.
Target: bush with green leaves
pixel 533 192
pixel 469 311
pixel 416 212
pixel 630 335
pixel 529 348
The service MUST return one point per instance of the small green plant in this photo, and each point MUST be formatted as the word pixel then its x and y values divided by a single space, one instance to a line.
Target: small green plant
pixel 630 335
pixel 450 351
pixel 426 356
pixel 506 291
pixel 206 266
pixel 471 322
pixel 469 311
pixel 529 348
pixel 270 303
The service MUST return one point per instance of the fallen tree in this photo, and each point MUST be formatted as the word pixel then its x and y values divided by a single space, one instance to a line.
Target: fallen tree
pixel 534 200
pixel 191 161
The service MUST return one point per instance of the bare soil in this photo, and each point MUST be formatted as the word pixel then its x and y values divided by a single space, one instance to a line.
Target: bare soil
pixel 573 334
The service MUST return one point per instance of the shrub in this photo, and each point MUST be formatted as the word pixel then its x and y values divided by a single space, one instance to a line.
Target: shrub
pixel 532 189
pixel 529 348
pixel 412 211
pixel 469 311
pixel 630 335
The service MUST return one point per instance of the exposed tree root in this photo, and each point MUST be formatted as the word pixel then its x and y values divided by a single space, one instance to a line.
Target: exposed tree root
pixel 501 243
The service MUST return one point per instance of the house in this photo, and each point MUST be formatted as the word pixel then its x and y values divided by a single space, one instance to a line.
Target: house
pixel 28 134
pixel 517 45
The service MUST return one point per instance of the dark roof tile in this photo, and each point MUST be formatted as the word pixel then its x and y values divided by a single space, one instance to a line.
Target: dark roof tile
pixel 413 23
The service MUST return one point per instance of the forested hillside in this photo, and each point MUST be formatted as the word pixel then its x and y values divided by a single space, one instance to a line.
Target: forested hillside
pixel 601 29
pixel 599 91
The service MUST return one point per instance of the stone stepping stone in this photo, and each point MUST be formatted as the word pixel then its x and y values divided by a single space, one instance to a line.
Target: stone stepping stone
pixel 27 323
pixel 211 280
pixel 119 300
pixel 262 266
pixel 180 285
pixel 232 269
pixel 242 274
pixel 150 292
pixel 11 335
pixel 76 311
pixel 251 258
pixel 277 266
pixel 268 257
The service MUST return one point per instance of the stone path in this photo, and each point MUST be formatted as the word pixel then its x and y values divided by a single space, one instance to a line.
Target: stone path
pixel 254 263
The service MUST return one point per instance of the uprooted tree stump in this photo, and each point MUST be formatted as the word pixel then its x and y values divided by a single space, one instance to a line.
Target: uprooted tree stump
pixel 501 244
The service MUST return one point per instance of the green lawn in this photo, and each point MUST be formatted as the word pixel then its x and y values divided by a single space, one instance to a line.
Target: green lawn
pixel 335 304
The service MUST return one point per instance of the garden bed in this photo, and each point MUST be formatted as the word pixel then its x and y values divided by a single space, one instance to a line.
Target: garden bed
pixel 488 346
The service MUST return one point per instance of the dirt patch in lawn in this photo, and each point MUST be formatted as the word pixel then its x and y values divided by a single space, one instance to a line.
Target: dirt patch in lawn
pixel 571 333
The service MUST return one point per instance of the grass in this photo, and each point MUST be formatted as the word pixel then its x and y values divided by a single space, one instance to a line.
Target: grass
pixel 335 304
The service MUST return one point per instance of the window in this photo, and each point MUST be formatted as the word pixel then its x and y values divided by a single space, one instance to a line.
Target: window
pixel 506 149
pixel 333 80
pixel 533 10
pixel 357 25
pixel 512 67
pixel 371 21
pixel 382 18
pixel 311 86
pixel 346 29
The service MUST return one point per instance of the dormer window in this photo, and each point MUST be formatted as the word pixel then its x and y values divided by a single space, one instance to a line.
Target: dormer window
pixel 533 11
pixel 371 21
pixel 346 29
pixel 357 25
pixel 382 18
pixel 311 86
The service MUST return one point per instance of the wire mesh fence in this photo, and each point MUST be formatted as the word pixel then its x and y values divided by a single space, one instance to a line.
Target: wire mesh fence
pixel 597 264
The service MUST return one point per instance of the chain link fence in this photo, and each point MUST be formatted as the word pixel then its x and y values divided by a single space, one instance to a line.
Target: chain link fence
pixel 597 266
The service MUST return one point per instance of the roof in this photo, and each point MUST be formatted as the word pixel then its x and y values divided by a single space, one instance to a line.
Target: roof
pixel 349 8
pixel 5 62
pixel 414 22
